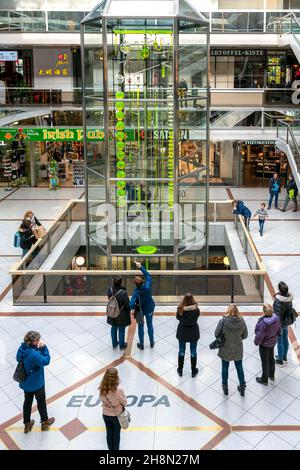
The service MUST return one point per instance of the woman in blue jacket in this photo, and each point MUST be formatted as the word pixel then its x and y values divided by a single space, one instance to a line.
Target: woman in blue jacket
pixel 240 209
pixel 142 300
pixel 35 356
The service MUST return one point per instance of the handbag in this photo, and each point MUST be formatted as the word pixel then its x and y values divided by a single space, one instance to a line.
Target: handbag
pixel 20 374
pixel 220 340
pixel 39 232
pixel 124 418
pixel 138 313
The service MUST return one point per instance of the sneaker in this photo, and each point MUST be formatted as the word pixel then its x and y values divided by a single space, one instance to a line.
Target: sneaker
pixel 282 210
pixel 140 346
pixel 45 425
pixel 284 360
pixel 295 210
pixel 152 344
pixel 272 378
pixel 28 426
pixel 124 347
pixel 260 381
pixel 279 363
pixel 269 208
pixel 115 345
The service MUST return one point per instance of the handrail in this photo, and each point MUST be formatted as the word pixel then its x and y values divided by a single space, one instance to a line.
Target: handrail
pixel 293 18
pixel 15 270
pixel 289 132
pixel 95 272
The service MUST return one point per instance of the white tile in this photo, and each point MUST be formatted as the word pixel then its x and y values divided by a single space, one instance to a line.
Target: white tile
pixel 265 411
pixel 273 442
pixel 234 442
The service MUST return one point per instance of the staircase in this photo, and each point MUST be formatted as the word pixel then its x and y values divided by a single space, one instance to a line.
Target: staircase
pixel 289 29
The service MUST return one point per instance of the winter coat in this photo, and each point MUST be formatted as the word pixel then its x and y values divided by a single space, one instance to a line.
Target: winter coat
pixel 292 185
pixel 241 209
pixel 188 329
pixel 27 239
pixel 117 400
pixel 272 187
pixel 34 360
pixel 267 330
pixel 124 318
pixel 235 330
pixel 281 306
pixel 144 294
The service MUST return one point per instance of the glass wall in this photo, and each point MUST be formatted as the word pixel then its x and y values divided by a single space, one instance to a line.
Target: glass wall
pixel 147 79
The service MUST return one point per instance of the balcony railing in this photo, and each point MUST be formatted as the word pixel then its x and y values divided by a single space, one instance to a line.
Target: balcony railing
pixel 33 284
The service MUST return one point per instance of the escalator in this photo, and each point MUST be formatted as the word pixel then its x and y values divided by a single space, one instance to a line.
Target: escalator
pixel 289 143
pixel 229 119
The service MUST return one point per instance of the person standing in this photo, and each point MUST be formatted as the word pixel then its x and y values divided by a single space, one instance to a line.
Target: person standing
pixel 291 194
pixel 34 354
pixel 142 300
pixel 282 305
pixel 267 330
pixel 27 237
pixel 118 324
pixel 188 331
pixel 239 208
pixel 274 190
pixel 234 330
pixel 113 402
pixel 262 215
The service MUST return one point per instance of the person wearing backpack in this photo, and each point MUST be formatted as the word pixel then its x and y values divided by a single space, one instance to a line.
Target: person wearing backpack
pixel 233 329
pixel 267 330
pixel 239 208
pixel 188 332
pixel 34 355
pixel 274 190
pixel 283 307
pixel 118 312
pixel 142 301
pixel 291 194
pixel 27 237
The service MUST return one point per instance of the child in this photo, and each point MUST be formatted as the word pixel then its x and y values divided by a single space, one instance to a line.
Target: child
pixel 262 214
pixel 240 209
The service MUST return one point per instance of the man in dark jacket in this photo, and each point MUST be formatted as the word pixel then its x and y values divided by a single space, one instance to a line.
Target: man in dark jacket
pixel 282 306
pixel 274 190
pixel 267 330
pixel 240 209
pixel 119 324
pixel 291 194
pixel 142 299
pixel 35 356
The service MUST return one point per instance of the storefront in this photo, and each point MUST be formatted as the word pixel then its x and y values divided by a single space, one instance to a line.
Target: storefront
pixel 253 68
pixel 247 163
pixel 47 157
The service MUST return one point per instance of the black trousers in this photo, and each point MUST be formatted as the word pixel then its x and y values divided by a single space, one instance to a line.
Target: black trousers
pixel 267 362
pixel 113 432
pixel 40 396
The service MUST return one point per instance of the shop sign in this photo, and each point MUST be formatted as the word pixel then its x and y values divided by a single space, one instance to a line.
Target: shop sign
pixel 53 63
pixel 237 52
pixel 7 56
pixel 50 134
pixel 56 134
pixel 260 142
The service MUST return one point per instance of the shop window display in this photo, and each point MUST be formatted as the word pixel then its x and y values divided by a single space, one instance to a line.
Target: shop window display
pixel 13 162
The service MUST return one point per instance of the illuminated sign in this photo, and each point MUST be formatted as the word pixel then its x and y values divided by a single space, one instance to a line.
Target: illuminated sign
pixel 7 56
pixel 61 68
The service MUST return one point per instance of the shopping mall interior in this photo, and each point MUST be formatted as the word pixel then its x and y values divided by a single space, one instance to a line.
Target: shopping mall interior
pixel 130 132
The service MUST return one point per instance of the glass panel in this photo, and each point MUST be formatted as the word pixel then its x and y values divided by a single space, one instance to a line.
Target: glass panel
pixel 142 8
pixel 64 20
pixel 192 89
pixel 237 22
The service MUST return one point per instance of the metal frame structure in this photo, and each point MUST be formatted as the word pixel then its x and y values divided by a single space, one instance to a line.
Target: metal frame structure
pixel 101 13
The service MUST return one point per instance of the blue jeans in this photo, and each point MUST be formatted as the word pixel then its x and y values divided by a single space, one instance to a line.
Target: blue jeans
pixel 261 225
pixel 114 336
pixel 247 222
pixel 283 344
pixel 149 321
pixel 271 199
pixel 239 369
pixel 24 251
pixel 193 348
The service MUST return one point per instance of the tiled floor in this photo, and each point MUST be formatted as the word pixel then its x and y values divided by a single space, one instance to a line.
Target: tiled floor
pixel 168 411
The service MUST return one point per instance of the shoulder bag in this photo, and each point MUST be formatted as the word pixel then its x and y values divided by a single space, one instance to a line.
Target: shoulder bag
pixel 138 312
pixel 124 418
pixel 220 340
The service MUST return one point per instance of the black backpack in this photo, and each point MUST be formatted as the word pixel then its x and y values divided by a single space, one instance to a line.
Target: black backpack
pixel 20 374
pixel 291 316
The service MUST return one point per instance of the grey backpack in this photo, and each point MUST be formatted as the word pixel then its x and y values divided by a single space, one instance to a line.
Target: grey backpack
pixel 112 309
